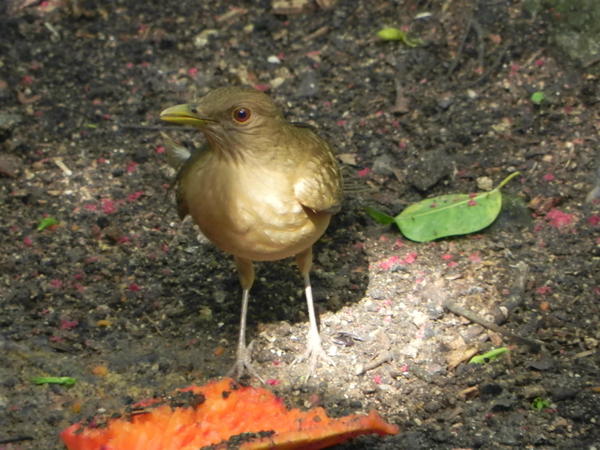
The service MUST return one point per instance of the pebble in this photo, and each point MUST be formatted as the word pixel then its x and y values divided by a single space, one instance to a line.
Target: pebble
pixel 503 404
pixel 434 311
pixel 429 169
pixel 485 183
pixel 545 362
pixel 533 391
pixel 490 390
pixel 384 165
pixel 445 101
pixel 560 393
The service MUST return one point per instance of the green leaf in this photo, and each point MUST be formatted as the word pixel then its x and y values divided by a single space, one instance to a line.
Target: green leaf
pixel 450 215
pixel 64 381
pixel 379 216
pixel 540 403
pixel 538 97
pixel 46 222
pixel 395 34
pixel 488 356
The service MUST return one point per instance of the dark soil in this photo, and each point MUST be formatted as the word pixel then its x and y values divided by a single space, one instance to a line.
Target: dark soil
pixel 127 300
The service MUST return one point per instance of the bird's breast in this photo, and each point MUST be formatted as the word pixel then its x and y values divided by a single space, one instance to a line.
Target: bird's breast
pixel 250 210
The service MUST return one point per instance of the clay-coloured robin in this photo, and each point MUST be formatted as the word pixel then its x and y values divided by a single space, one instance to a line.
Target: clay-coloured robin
pixel 264 189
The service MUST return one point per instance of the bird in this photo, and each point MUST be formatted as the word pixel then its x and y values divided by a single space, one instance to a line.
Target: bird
pixel 262 189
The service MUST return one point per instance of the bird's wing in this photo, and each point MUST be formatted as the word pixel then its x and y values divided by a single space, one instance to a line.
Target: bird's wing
pixel 318 184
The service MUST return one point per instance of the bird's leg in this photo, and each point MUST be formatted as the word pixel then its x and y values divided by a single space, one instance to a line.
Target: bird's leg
pixel 243 355
pixel 314 349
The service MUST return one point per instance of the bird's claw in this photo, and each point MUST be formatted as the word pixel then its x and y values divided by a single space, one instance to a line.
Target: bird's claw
pixel 314 352
pixel 243 364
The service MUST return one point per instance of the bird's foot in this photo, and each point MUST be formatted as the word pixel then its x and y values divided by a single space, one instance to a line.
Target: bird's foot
pixel 314 352
pixel 243 364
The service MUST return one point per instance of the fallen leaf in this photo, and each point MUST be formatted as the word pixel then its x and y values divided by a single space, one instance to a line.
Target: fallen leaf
pixel 460 355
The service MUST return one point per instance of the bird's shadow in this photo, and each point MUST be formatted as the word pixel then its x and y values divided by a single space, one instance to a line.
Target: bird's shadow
pixel 206 287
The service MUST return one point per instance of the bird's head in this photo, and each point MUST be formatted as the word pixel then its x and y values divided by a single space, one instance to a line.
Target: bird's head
pixel 228 116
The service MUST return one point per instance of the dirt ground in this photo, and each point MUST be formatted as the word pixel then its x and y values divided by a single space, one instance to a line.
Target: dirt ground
pixel 126 299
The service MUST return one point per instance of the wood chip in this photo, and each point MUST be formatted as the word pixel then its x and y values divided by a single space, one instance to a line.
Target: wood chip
pixel 347 158
pixel 469 392
pixel 458 356
pixel 232 14
pixel 284 7
pixel 62 166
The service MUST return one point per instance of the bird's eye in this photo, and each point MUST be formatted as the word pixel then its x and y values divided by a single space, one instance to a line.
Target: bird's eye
pixel 241 115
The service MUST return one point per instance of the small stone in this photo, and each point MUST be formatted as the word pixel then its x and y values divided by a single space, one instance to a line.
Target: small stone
pixel 560 393
pixel 543 363
pixel 435 369
pixel 276 82
pixel 435 311
pixel 431 167
pixel 445 101
pixel 411 349
pixel 384 165
pixel 471 94
pixel 503 404
pixel 485 183
pixel 533 391
pixel 490 390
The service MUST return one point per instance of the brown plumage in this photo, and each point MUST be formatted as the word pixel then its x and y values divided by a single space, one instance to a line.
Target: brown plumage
pixel 263 190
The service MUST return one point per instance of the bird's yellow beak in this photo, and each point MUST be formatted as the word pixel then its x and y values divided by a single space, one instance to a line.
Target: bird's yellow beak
pixel 183 115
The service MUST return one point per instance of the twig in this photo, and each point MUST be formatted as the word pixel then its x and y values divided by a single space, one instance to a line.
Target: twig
pixel 481 42
pixel 591 62
pixel 534 344
pixel 461 49
pixel 386 357
pixel 496 64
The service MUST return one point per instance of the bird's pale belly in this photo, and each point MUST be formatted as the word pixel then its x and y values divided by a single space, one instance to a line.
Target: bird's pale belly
pixel 257 222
